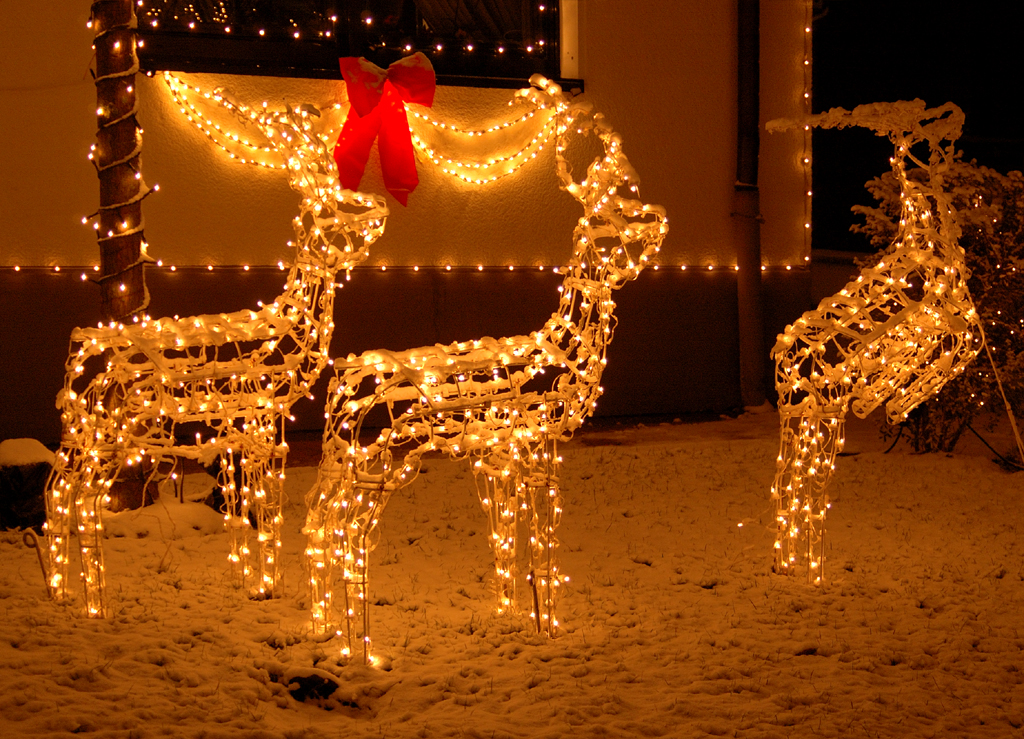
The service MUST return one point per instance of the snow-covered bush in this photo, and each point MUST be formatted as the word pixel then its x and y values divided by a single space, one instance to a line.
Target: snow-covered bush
pixel 990 208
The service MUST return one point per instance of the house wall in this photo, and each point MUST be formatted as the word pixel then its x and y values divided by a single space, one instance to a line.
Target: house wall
pixel 664 77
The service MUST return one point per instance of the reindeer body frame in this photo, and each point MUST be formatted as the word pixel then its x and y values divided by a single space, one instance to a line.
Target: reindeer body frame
pixel 492 401
pixel 894 336
pixel 235 374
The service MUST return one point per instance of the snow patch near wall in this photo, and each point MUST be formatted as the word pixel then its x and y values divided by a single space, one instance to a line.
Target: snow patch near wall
pixel 23 452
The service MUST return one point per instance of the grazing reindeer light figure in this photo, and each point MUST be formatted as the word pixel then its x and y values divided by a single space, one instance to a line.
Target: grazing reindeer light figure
pixel 488 400
pixel 236 373
pixel 893 336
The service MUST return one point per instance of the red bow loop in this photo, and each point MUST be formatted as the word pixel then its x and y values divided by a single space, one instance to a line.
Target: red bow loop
pixel 378 99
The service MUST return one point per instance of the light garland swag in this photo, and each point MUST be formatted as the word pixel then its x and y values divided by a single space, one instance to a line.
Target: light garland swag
pixel 502 403
pixel 894 336
pixel 129 387
pixel 426 135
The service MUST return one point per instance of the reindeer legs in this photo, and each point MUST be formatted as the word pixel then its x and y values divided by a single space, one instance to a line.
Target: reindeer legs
pixel 90 533
pixel 514 480
pixel 499 486
pixel 344 509
pixel 236 518
pixel 323 524
pixel 253 493
pixel 262 493
pixel 810 443
pixel 544 504
pixel 66 475
pixel 76 479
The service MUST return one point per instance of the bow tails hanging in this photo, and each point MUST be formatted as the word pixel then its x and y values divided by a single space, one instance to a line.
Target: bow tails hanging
pixel 378 99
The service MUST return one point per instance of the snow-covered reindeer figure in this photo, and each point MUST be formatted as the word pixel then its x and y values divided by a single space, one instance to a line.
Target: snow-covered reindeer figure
pixel 502 403
pixel 894 336
pixel 130 385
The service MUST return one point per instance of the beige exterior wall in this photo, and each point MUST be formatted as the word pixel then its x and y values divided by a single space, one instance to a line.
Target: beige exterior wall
pixel 663 72
pixel 784 200
pixel 46 182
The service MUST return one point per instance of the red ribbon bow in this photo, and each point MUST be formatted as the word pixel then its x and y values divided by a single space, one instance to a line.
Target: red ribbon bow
pixel 378 100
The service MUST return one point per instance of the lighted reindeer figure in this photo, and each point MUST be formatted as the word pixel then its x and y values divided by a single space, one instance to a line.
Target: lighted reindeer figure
pixel 130 385
pixel 504 404
pixel 894 336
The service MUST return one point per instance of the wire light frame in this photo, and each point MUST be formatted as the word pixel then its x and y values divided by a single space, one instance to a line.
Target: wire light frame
pixel 894 336
pixel 503 404
pixel 131 388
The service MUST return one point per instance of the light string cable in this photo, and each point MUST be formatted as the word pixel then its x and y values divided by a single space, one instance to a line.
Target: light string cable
pixel 488 169
pixel 232 143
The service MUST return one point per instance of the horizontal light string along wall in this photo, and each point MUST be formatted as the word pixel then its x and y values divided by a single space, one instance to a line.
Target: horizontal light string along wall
pixel 77 270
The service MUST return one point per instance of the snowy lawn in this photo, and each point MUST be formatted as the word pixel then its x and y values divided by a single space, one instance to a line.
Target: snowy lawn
pixel 673 624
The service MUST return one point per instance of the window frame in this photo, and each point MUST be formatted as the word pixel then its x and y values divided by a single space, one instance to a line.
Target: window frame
pixel 162 49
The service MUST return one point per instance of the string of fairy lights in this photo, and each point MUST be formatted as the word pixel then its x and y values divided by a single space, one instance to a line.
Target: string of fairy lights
pixel 211 129
pixel 483 172
pixel 237 146
pixel 438 30
pixel 216 16
pixel 476 172
pixel 84 272
pixel 468 172
pixel 805 158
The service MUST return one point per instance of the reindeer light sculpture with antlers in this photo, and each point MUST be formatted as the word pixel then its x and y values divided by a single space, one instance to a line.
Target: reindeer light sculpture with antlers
pixel 504 403
pixel 894 336
pixel 130 385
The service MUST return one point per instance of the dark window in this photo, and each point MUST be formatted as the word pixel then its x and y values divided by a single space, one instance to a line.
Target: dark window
pixel 497 43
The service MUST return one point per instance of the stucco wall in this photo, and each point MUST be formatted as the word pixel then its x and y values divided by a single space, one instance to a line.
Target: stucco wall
pixel 663 71
pixel 235 213
pixel 46 182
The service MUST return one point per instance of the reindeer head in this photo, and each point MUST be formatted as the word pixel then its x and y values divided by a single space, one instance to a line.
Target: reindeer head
pixel 940 331
pixel 335 226
pixel 618 234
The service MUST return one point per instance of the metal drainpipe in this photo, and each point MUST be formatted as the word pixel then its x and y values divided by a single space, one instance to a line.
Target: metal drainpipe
pixel 747 206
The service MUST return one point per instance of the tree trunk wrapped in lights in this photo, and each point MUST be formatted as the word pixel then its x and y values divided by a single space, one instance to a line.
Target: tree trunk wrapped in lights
pixel 237 374
pixel 504 404
pixel 119 222
pixel 894 336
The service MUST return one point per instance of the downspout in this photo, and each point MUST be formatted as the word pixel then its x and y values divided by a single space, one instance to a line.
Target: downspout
pixel 747 206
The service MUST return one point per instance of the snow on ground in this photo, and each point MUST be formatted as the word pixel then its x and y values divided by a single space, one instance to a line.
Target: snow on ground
pixel 673 624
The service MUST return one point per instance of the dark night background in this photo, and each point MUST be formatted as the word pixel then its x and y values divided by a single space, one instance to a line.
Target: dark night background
pixel 867 51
